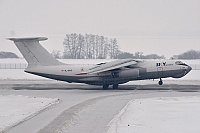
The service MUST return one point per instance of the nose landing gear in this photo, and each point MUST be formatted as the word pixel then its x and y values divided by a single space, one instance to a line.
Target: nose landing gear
pixel 160 82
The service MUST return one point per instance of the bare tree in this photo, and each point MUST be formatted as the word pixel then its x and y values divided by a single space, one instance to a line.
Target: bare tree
pixel 56 54
pixel 113 48
pixel 89 46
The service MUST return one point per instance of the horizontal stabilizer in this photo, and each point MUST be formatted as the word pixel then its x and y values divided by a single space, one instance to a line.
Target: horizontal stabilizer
pixel 28 39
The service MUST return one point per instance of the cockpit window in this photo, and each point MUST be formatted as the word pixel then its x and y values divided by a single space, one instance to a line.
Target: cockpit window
pixel 180 63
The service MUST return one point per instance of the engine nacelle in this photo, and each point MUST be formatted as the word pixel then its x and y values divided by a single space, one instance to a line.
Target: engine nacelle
pixel 132 73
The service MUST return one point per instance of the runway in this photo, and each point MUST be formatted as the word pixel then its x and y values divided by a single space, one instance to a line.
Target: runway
pixel 84 108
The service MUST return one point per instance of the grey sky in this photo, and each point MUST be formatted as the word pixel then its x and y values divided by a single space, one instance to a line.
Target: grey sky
pixel 165 27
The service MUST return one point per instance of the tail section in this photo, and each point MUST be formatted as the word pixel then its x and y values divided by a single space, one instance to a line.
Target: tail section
pixel 34 53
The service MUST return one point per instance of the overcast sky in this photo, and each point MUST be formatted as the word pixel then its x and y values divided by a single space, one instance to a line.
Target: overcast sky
pixel 165 27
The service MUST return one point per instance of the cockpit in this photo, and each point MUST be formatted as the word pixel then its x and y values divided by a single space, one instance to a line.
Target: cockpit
pixel 180 63
pixel 184 69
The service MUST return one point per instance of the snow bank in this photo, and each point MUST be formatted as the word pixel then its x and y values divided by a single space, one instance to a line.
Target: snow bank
pixel 158 115
pixel 16 109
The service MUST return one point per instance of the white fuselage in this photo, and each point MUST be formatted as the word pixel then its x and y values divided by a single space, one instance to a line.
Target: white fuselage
pixel 40 62
pixel 140 71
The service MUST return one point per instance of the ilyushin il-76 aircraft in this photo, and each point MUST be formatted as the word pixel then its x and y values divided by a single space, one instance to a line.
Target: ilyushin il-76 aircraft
pixel 41 63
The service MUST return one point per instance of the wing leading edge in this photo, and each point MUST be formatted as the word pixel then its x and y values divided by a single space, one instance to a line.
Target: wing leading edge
pixel 109 66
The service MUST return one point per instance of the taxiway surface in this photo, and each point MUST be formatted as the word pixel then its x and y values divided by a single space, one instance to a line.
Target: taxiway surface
pixel 84 108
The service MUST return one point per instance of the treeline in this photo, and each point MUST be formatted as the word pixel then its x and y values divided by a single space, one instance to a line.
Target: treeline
pixel 189 55
pixel 88 46
pixel 139 55
pixel 7 55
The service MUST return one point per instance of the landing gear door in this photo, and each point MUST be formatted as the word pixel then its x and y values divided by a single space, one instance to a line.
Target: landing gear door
pixel 160 71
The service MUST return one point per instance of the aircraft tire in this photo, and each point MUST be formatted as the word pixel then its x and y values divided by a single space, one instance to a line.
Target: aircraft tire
pixel 115 86
pixel 160 82
pixel 105 86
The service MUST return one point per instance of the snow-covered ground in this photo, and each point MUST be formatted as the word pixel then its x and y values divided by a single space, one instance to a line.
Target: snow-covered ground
pixel 15 109
pixel 172 114
pixel 158 115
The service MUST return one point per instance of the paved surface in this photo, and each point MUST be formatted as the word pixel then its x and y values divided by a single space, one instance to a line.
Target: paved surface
pixel 83 108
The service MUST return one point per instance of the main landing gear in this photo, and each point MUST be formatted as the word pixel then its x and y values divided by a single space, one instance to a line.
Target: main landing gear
pixel 160 82
pixel 115 86
pixel 105 86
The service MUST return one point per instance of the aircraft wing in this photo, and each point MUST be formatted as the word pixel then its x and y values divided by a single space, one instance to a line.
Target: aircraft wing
pixel 109 66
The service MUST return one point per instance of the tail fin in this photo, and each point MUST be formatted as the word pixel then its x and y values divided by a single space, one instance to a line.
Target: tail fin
pixel 34 52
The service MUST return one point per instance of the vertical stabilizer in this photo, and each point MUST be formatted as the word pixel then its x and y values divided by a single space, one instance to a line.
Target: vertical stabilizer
pixel 34 53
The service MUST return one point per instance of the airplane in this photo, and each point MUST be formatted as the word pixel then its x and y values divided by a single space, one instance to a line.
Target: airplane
pixel 41 63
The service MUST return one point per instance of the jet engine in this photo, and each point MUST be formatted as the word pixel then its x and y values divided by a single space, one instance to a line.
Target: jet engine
pixel 131 73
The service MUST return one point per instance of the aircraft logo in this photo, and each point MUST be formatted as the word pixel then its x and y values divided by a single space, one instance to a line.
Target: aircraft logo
pixel 161 64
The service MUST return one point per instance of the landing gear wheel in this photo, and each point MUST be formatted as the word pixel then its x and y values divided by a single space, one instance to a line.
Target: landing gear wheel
pixel 115 86
pixel 160 82
pixel 105 87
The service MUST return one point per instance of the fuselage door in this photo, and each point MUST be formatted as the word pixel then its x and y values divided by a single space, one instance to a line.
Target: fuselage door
pixel 160 71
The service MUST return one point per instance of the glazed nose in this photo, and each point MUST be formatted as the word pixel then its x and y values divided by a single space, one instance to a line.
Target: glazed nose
pixel 189 69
